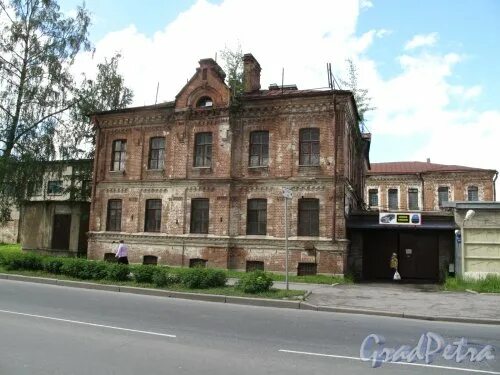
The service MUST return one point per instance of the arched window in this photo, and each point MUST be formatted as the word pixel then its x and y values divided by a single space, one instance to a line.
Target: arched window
pixel 204 102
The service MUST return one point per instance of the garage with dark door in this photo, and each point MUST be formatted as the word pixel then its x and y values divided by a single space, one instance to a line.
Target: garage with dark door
pixel 424 250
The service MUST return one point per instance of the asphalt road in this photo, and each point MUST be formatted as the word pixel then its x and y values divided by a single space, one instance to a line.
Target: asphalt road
pixel 47 329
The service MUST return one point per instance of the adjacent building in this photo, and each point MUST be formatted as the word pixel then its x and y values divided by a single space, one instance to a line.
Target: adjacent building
pixel 406 214
pixel 198 181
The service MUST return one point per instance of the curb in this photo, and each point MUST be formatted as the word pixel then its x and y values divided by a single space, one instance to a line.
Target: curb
pixel 287 304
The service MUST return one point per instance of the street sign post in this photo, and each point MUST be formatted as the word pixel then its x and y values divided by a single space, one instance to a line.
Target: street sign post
pixel 287 194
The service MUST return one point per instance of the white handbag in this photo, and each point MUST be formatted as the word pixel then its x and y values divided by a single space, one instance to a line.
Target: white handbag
pixel 397 276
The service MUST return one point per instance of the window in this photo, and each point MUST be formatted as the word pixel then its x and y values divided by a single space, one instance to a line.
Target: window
pixel 203 150
pixel 472 194
pixel 259 149
pixel 309 146
pixel 413 199
pixel 197 263
pixel 308 217
pixel 373 197
pixel 199 215
pixel 152 222
pixel 393 199
pixel 204 101
pixel 55 187
pixel 118 156
pixel 156 153
pixel 442 195
pixel 150 260
pixel 257 216
pixel 114 218
pixel 254 265
pixel 304 269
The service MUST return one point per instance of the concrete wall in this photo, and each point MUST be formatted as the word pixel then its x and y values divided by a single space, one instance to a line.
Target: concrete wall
pixel 9 230
pixel 480 241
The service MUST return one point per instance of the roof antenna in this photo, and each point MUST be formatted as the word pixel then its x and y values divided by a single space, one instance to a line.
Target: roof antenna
pixel 282 79
pixel 157 88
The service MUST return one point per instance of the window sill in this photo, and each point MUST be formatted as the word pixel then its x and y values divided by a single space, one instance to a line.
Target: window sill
pixel 117 173
pixel 258 167
pixel 202 167
pixel 310 166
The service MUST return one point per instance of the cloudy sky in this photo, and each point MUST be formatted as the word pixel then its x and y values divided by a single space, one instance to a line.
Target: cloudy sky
pixel 430 66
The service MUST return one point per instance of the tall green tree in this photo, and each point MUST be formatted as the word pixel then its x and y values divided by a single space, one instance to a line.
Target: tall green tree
pixel 363 100
pixel 106 92
pixel 232 63
pixel 38 44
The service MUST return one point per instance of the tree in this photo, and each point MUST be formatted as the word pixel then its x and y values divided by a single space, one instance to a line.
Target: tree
pixel 38 44
pixel 232 61
pixel 363 101
pixel 106 92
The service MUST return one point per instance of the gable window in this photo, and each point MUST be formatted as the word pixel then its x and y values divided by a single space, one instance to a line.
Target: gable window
pixel 308 220
pixel 55 187
pixel 35 188
pixel 203 150
pixel 118 156
pixel 152 221
pixel 199 215
pixel 156 153
pixel 259 149
pixel 373 197
pixel 413 199
pixel 472 194
pixel 393 199
pixel 257 216
pixel 114 217
pixel 204 102
pixel 309 146
pixel 443 195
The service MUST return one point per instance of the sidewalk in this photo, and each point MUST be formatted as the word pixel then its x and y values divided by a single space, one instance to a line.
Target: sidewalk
pixel 418 300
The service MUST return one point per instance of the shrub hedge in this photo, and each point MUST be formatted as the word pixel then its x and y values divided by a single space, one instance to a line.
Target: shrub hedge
pixel 255 282
pixel 203 278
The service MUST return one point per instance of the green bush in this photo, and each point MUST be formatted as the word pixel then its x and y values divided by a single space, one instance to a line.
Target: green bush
pixel 22 261
pixel 94 270
pixel 162 278
pixel 74 267
pixel 143 274
pixel 117 272
pixel 202 278
pixel 53 265
pixel 255 282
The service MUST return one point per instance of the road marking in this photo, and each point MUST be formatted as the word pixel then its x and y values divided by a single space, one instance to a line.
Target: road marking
pixel 88 324
pixel 390 363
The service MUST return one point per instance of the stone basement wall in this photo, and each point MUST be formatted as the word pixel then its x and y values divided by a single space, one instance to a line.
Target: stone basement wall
pixel 330 258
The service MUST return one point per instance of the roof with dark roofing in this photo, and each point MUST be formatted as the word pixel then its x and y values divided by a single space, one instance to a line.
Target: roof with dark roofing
pixel 407 167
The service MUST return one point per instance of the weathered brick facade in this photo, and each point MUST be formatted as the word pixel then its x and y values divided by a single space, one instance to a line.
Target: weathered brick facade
pixel 205 105
pixel 427 179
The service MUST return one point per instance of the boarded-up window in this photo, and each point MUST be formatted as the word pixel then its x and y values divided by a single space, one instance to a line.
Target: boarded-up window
pixel 305 269
pixel 254 265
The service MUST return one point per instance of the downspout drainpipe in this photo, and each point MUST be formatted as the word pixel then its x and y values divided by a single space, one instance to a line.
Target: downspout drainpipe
pixel 334 170
pixel 423 191
pixel 494 186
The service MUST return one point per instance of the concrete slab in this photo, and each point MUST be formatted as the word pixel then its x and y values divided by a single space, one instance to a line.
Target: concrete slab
pixel 264 302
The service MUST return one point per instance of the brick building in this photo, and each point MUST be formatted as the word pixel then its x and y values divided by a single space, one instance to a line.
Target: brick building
pixel 425 186
pixel 199 180
pixel 420 190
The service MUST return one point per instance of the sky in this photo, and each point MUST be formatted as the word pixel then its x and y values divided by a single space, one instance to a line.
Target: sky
pixel 431 67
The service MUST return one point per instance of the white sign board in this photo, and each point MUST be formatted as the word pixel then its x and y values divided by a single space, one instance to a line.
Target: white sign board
pixel 287 193
pixel 400 218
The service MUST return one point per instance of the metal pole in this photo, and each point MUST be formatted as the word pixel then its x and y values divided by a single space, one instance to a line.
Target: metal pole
pixel 286 242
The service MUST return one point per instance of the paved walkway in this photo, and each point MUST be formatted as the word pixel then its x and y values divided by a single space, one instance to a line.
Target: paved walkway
pixel 408 299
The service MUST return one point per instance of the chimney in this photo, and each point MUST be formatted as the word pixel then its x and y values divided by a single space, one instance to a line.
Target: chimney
pixel 251 73
pixel 428 160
